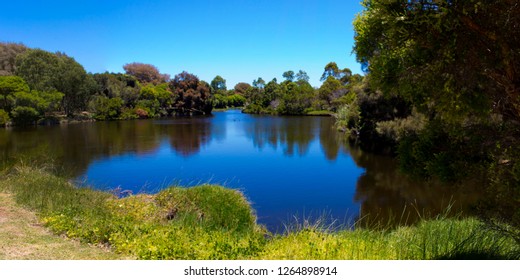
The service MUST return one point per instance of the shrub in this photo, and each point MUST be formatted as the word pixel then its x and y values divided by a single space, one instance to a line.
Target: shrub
pixel 141 113
pixel 106 108
pixel 348 119
pixel 447 152
pixel 151 107
pixel 4 118
pixel 128 114
pixel 23 115
pixel 398 128
pixel 236 100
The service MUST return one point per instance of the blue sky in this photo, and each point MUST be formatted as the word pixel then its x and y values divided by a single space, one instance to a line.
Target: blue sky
pixel 239 40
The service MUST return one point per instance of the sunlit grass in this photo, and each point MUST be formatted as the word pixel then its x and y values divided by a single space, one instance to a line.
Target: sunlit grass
pixel 433 239
pixel 212 222
pixel 320 113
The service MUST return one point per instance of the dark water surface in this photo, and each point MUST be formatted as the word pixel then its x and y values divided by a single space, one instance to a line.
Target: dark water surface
pixel 290 168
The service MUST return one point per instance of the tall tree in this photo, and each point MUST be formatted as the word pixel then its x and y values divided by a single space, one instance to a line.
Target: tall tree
pixel 191 95
pixel 241 88
pixel 45 71
pixel 302 76
pixel 331 89
pixel 288 75
pixel 332 70
pixel 146 73
pixel 259 83
pixel 218 84
pixel 449 57
pixel 8 54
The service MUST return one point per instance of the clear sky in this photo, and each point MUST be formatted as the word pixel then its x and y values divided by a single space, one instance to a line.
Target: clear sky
pixel 240 40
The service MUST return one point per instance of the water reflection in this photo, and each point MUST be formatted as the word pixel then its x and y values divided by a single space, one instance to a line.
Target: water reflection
pixel 389 197
pixel 287 166
pixel 293 134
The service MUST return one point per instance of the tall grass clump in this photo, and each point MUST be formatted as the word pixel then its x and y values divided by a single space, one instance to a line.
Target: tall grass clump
pixel 441 238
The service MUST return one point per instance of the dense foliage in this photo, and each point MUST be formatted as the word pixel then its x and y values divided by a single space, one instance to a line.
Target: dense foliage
pixel 8 54
pixel 146 73
pixel 60 89
pixel 37 86
pixel 190 94
pixel 442 90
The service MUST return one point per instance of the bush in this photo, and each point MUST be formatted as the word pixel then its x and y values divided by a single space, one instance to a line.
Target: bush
pixel 236 100
pixel 502 195
pixel 4 118
pixel 129 114
pixel 219 101
pixel 399 128
pixel 106 108
pixel 141 113
pixel 151 107
pixel 23 115
pixel 348 118
pixel 449 153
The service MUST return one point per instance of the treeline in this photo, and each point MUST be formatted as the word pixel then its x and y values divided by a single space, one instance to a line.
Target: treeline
pixel 37 86
pixel 442 92
pixel 295 96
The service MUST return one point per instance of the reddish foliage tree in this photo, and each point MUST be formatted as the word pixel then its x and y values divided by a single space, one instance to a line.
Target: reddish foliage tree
pixel 145 73
pixel 191 96
pixel 241 88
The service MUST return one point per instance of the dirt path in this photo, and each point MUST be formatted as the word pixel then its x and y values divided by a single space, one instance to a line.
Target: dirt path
pixel 22 237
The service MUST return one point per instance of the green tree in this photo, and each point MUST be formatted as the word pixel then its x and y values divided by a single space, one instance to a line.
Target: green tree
pixel 72 80
pixel 236 100
pixel 39 68
pixel 9 85
pixel 4 117
pixel 450 58
pixel 302 76
pixel 330 90
pixel 123 86
pixel 295 98
pixel 218 85
pixel 259 83
pixel 24 115
pixel 105 108
pixel 160 93
pixel 29 107
pixel 332 70
pixel 288 75
pixel 45 71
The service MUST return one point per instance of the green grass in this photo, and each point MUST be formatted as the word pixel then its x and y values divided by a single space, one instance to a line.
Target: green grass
pixel 434 239
pixel 212 222
pixel 22 237
pixel 319 113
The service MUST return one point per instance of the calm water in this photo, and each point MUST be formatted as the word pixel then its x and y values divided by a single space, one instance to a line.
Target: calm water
pixel 290 168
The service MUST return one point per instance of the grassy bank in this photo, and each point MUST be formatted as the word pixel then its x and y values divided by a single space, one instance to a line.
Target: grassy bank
pixel 212 222
pixel 23 237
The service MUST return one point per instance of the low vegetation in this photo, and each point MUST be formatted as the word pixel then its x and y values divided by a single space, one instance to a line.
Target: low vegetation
pixel 23 237
pixel 212 222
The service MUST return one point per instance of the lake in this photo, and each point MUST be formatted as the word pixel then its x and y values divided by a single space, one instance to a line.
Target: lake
pixel 291 169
